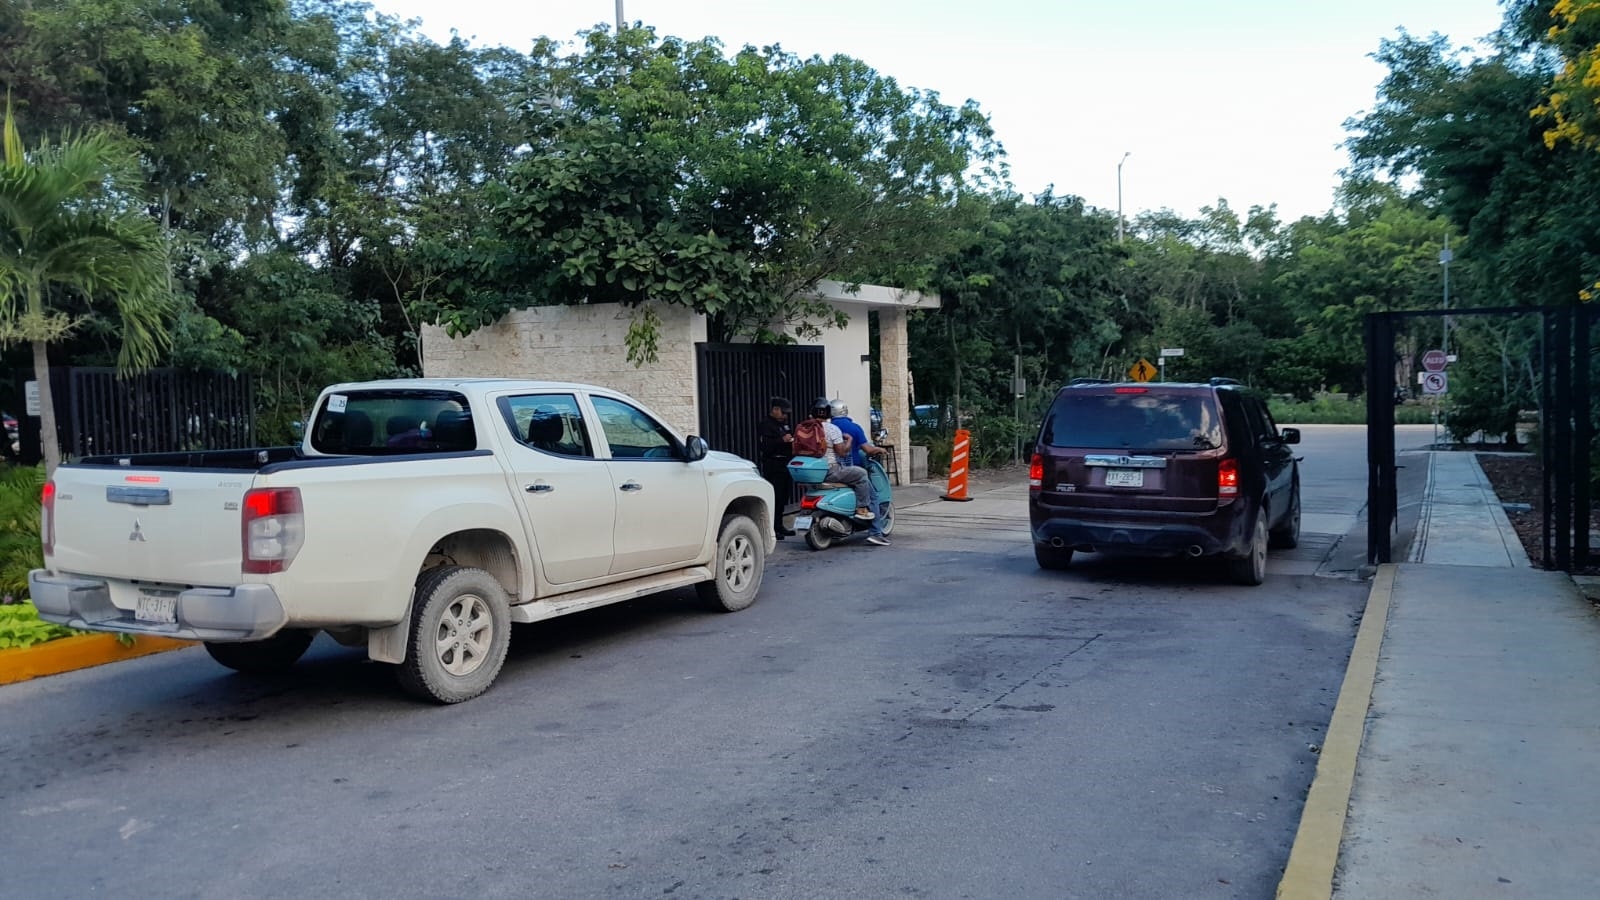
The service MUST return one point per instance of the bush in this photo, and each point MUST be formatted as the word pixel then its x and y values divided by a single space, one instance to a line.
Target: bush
pixel 1338 409
pixel 20 549
pixel 20 626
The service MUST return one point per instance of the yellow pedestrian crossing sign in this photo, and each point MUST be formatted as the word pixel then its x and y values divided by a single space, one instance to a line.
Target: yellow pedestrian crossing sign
pixel 1142 371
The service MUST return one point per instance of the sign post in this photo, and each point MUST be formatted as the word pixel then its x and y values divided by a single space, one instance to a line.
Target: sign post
pixel 1167 353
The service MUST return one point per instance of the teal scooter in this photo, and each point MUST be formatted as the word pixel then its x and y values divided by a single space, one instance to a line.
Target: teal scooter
pixel 828 510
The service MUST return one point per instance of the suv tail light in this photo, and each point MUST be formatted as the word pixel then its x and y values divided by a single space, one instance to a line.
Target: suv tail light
pixel 47 517
pixel 273 529
pixel 1227 479
pixel 1036 473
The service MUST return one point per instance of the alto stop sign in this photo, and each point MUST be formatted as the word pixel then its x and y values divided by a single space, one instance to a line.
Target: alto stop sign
pixel 1434 360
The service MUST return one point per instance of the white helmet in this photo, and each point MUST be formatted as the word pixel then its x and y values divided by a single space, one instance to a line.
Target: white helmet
pixel 836 408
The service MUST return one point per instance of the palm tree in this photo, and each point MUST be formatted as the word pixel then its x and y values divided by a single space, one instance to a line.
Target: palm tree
pixel 72 234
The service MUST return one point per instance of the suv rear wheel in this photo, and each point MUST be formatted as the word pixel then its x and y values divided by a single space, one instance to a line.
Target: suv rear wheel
pixel 1287 535
pixel 1251 569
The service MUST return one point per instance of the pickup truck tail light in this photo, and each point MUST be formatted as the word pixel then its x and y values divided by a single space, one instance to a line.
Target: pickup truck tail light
pixel 273 529
pixel 47 517
pixel 1227 480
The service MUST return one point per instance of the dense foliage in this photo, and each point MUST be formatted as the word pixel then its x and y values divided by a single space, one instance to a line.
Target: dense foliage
pixel 323 180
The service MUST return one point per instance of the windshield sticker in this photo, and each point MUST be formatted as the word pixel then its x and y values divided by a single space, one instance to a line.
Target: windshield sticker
pixel 336 402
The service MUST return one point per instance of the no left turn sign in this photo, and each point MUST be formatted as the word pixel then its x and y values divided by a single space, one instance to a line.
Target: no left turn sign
pixel 1435 383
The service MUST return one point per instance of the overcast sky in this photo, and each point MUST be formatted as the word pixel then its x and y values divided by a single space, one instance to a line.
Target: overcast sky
pixel 1239 99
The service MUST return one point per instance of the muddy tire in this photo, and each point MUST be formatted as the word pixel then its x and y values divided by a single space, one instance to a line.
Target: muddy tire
pixel 737 568
pixel 1251 569
pixel 460 631
pixel 265 657
pixel 1287 535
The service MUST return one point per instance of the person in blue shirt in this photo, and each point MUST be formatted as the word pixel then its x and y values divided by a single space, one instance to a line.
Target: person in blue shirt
pixel 860 449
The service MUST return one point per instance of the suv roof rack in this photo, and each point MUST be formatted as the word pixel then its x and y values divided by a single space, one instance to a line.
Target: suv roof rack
pixel 1221 381
pixel 1088 381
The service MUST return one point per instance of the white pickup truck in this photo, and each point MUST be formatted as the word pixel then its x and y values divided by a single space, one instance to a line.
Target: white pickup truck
pixel 418 517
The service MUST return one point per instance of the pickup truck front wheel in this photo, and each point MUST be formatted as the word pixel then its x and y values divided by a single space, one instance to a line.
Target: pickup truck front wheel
pixel 264 657
pixel 460 631
pixel 736 570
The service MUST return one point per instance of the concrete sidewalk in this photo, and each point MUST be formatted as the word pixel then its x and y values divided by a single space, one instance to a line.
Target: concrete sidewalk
pixel 1463 759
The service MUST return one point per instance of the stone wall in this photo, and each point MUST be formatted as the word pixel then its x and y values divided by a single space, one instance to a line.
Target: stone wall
pixel 585 344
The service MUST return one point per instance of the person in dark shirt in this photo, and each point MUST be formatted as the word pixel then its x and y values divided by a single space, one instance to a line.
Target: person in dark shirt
pixel 775 441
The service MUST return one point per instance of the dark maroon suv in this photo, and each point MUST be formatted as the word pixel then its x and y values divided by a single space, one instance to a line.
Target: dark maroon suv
pixel 1163 470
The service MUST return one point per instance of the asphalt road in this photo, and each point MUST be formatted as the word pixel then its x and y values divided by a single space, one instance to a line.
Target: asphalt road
pixel 938 718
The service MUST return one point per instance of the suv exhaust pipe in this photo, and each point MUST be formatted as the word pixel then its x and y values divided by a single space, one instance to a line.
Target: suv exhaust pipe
pixel 1057 543
pixel 1194 550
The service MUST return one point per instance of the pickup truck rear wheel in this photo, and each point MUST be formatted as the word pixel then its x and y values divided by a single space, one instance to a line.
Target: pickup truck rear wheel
pixel 737 568
pixel 460 631
pixel 264 657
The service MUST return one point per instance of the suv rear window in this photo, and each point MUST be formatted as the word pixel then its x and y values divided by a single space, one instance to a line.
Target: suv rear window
pixel 1147 420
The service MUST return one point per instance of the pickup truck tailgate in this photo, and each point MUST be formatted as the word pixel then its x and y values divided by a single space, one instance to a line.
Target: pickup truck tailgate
pixel 173 527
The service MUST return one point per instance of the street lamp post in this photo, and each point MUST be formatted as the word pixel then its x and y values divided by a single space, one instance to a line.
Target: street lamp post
pixel 620 19
pixel 1121 229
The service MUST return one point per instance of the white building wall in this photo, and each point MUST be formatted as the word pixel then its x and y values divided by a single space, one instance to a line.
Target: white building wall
pixel 848 376
pixel 585 344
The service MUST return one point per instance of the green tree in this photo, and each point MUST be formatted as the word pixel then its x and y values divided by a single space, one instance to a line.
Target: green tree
pixel 662 169
pixel 72 234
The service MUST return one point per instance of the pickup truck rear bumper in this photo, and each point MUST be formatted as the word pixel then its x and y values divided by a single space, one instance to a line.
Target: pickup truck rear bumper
pixel 245 612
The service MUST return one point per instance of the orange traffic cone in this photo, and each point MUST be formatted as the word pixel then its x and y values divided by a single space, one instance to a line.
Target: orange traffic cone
pixel 958 467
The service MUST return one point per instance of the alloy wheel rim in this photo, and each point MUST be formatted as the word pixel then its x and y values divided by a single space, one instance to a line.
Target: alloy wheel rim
pixel 738 562
pixel 466 632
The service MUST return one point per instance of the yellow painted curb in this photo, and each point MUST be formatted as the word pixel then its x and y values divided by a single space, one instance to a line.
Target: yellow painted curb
pixel 77 652
pixel 1309 874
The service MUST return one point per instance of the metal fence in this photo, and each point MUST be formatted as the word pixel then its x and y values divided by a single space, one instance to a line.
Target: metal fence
pixel 738 380
pixel 1566 429
pixel 157 411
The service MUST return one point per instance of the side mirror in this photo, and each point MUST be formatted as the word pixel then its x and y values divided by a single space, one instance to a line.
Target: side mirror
pixel 695 448
pixel 1290 435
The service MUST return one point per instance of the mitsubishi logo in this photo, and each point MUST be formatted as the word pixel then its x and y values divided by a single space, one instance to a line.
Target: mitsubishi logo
pixel 137 535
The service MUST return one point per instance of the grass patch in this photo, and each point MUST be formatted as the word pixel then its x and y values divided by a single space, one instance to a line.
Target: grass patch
pixel 1337 409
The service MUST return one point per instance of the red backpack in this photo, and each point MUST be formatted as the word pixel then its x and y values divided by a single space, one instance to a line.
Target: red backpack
pixel 810 439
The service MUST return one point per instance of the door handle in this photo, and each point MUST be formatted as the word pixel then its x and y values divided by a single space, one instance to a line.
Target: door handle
pixel 539 488
pixel 631 486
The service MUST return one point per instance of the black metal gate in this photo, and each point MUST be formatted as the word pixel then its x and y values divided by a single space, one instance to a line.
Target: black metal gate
pixel 1566 432
pixel 157 411
pixel 737 381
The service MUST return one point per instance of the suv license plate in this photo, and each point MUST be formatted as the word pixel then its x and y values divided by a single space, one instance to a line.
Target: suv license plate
pixel 1124 478
pixel 156 608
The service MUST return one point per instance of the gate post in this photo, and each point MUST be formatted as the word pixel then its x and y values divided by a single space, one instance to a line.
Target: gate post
pixel 1382 499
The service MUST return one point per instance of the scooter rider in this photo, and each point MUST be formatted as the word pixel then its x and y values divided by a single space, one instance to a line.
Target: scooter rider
pixel 838 457
pixel 860 449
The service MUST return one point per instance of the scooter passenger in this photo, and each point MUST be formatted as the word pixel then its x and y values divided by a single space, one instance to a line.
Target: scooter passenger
pixel 838 457
pixel 860 449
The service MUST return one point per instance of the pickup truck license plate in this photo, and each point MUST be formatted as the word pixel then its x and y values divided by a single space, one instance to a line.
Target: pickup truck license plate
pixel 1124 478
pixel 155 608
pixel 802 523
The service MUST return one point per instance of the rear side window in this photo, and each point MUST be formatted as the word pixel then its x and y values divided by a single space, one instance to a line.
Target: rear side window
pixel 393 422
pixel 1132 421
